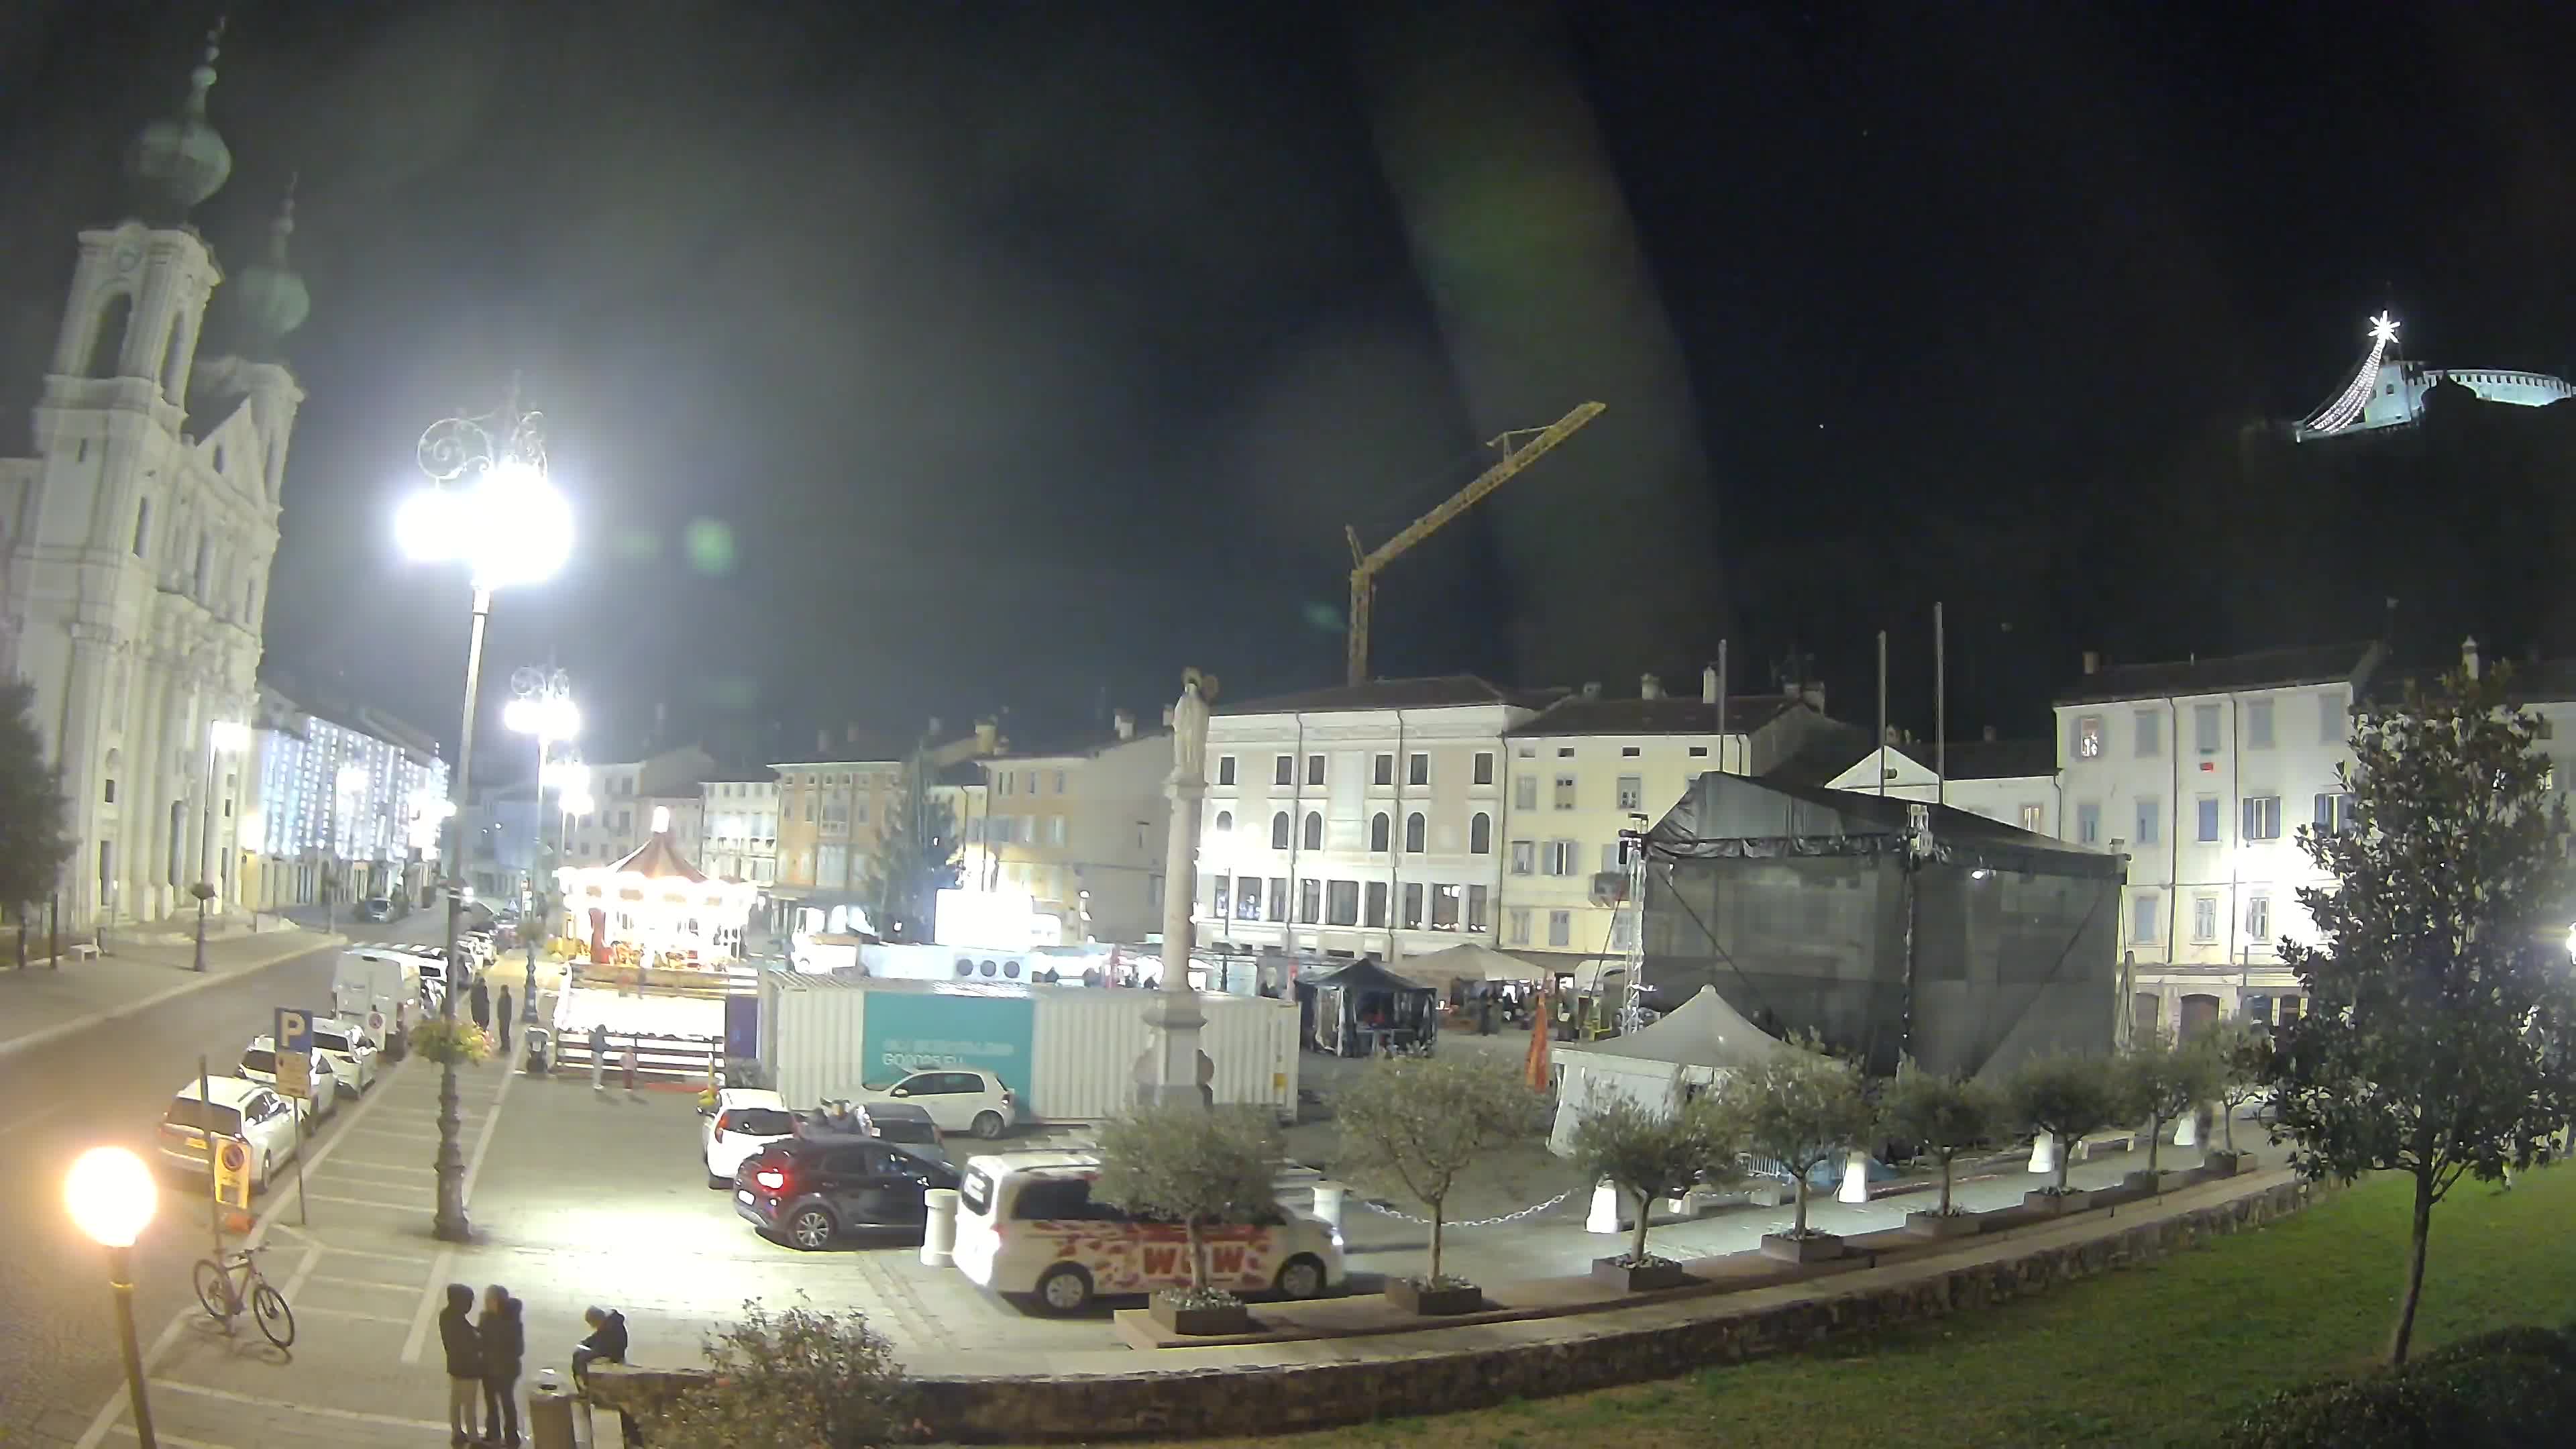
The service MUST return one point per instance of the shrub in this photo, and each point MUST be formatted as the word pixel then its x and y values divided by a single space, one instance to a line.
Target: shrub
pixel 1947 1115
pixel 443 1040
pixel 2160 1080
pixel 2066 1097
pixel 802 1377
pixel 2514 1386
pixel 1414 1123
pixel 1195 1167
pixel 1800 1108
pixel 1648 1154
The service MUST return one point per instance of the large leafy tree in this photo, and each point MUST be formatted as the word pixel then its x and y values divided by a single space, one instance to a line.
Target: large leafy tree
pixel 2065 1097
pixel 915 858
pixel 1800 1108
pixel 1415 1123
pixel 35 838
pixel 1945 1115
pixel 2242 1053
pixel 2161 1079
pixel 1647 1153
pixel 2438 980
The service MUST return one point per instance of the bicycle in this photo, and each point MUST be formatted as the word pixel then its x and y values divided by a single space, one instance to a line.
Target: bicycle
pixel 225 1299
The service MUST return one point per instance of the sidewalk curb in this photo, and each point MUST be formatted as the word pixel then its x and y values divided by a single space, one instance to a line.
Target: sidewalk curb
pixel 45 1036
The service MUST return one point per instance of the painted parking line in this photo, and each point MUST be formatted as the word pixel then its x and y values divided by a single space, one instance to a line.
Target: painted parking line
pixel 433 1294
pixel 345 1416
pixel 367 1202
pixel 390 1132
pixel 354 1315
pixel 173 1440
pixel 385 1166
pixel 337 1281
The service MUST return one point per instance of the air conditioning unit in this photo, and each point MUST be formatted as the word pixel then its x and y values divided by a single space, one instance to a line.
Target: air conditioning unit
pixel 1610 888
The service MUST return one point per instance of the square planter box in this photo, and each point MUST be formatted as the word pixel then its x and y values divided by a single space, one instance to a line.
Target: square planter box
pixel 1815 1248
pixel 1433 1302
pixel 1942 1225
pixel 1642 1279
pixel 2051 1202
pixel 2142 1184
pixel 2221 1163
pixel 1200 1322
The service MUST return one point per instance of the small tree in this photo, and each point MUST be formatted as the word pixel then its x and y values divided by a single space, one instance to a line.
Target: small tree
pixel 1195 1167
pixel 1415 1123
pixel 34 840
pixel 1648 1154
pixel 2239 1055
pixel 802 1377
pixel 2438 978
pixel 915 858
pixel 2066 1097
pixel 1800 1108
pixel 1947 1115
pixel 2160 1079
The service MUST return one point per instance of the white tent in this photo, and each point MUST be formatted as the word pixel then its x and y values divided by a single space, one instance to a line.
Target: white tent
pixel 1467 962
pixel 1696 1044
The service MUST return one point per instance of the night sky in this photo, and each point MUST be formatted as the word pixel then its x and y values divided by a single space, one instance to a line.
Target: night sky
pixel 937 358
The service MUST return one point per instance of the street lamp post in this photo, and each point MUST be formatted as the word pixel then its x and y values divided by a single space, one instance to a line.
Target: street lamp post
pixel 223 737
pixel 111 1195
pixel 542 707
pixel 490 507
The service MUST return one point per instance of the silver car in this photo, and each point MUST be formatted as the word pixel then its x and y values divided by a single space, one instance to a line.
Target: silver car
pixel 355 1057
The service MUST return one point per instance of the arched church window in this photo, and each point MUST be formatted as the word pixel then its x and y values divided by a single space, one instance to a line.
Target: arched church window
pixel 205 563
pixel 107 343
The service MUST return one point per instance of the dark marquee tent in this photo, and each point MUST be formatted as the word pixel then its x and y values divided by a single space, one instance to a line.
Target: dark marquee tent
pixel 1355 1010
pixel 1887 926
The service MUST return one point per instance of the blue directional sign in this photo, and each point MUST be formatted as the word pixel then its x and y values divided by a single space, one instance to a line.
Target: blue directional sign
pixel 294 1029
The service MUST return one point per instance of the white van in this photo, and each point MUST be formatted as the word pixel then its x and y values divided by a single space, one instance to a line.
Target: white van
pixel 371 978
pixel 1026 1224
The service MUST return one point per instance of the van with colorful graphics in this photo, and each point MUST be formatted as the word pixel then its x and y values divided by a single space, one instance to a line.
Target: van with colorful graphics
pixel 1027 1227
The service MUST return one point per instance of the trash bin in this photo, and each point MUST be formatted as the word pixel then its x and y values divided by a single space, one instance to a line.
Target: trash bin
pixel 540 1044
pixel 939 1236
pixel 549 1412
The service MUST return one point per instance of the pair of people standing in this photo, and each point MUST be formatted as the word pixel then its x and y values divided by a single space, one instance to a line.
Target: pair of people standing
pixel 482 1366
pixel 479 1001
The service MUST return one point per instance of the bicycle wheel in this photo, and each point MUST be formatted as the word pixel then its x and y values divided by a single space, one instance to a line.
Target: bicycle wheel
pixel 276 1321
pixel 214 1291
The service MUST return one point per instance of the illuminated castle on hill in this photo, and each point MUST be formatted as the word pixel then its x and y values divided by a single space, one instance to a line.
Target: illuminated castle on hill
pixel 2387 391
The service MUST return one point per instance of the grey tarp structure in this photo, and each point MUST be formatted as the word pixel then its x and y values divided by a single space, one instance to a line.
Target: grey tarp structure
pixel 1660 1066
pixel 1363 1006
pixel 1967 942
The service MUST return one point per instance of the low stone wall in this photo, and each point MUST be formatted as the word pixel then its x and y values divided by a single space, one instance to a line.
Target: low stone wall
pixel 1177 1402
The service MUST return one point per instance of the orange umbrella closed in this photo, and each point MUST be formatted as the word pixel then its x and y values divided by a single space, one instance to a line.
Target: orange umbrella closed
pixel 1535 1070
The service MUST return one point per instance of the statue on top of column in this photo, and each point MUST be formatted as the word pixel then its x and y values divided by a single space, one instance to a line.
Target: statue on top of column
pixel 1190 726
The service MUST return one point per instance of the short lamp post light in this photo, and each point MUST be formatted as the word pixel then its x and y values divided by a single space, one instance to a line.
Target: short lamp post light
pixel 490 507
pixel 541 706
pixel 223 737
pixel 111 1195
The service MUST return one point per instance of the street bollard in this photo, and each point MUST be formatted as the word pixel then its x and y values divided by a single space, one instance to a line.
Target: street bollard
pixel 549 1412
pixel 1855 1178
pixel 2187 1130
pixel 1328 1202
pixel 2043 1152
pixel 939 1234
pixel 1604 1217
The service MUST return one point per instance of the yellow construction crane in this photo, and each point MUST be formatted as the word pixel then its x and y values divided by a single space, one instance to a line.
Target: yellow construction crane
pixel 1366 565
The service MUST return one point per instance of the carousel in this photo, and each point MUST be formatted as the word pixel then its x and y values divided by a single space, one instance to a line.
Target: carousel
pixel 654 909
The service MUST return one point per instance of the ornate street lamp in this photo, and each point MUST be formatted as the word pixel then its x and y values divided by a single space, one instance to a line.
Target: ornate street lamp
pixel 490 507
pixel 111 1196
pixel 541 706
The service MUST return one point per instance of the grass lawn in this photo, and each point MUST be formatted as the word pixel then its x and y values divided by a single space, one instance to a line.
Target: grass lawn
pixel 2163 1355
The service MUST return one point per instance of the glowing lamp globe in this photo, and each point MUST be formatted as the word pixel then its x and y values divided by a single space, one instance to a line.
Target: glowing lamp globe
pixel 579 802
pixel 510 527
pixel 229 736
pixel 551 717
pixel 111 1196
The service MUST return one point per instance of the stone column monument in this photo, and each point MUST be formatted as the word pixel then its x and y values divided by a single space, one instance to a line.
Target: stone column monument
pixel 1173 1070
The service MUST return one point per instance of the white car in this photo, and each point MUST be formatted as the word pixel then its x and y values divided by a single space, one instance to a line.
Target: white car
pixel 743 1121
pixel 263 1120
pixel 259 1064
pixel 1026 1225
pixel 958 1099
pixel 355 1056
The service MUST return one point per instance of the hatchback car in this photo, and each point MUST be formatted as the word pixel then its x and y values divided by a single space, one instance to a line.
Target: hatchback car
pixel 354 1055
pixel 376 908
pixel 742 1121
pixel 259 1064
pixel 232 1107
pixel 810 1190
pixel 959 1099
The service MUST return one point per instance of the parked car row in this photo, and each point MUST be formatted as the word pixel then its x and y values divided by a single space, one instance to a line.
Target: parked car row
pixel 247 1104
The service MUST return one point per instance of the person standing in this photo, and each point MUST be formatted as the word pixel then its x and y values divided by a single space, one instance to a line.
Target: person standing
pixel 598 1056
pixel 505 1341
pixel 464 1348
pixel 482 1001
pixel 504 1022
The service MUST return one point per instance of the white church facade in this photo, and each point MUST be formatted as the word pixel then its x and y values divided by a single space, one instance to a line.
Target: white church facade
pixel 140 535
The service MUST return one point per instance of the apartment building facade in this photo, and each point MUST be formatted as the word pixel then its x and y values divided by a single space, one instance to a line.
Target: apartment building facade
pixel 2202 773
pixel 1587 768
pixel 2011 781
pixel 832 812
pixel 627 794
pixel 1082 831
pixel 738 811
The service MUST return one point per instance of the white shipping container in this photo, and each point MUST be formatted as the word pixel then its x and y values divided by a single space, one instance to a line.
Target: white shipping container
pixel 1081 1048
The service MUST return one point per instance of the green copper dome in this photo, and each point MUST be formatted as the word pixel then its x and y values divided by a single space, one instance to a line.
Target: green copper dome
pixel 268 300
pixel 179 161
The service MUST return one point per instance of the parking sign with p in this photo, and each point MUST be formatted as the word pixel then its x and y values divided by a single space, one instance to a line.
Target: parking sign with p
pixel 294 1047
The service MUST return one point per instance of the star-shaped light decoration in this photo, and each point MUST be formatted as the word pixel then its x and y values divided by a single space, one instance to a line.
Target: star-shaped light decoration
pixel 2383 329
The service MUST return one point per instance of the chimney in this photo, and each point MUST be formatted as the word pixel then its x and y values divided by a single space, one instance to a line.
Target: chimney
pixel 2469 656
pixel 1708 685
pixel 1592 689
pixel 822 742
pixel 988 737
pixel 1650 686
pixel 1990 734
pixel 2092 661
pixel 1124 721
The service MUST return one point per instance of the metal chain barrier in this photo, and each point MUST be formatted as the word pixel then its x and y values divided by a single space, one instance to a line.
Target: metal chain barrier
pixel 1532 1210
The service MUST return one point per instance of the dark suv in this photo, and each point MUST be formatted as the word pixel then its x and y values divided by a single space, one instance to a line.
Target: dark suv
pixel 810 1190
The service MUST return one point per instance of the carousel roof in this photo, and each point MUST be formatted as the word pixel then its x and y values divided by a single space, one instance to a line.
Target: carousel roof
pixel 659 859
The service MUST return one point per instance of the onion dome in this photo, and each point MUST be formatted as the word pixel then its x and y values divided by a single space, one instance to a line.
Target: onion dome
pixel 179 161
pixel 268 300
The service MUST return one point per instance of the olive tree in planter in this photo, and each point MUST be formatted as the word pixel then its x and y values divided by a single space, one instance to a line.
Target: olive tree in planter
pixel 2160 1080
pixel 1198 1168
pixel 1802 1109
pixel 1648 1154
pixel 1947 1116
pixel 2067 1097
pixel 801 1377
pixel 2239 1055
pixel 1412 1125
